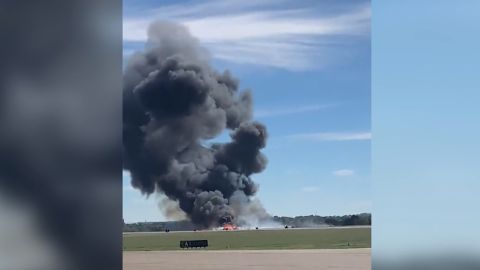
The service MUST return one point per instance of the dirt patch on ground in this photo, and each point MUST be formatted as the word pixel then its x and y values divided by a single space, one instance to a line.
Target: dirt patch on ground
pixel 340 259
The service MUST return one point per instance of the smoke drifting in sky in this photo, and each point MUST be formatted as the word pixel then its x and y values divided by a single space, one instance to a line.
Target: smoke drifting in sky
pixel 173 102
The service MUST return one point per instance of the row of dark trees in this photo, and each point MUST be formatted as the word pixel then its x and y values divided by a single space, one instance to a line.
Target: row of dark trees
pixel 315 221
pixel 297 222
pixel 183 225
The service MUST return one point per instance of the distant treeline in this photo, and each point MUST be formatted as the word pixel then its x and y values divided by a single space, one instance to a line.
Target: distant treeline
pixel 183 225
pixel 315 221
pixel 297 222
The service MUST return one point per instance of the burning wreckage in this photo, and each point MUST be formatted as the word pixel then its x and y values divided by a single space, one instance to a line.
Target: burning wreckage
pixel 228 224
pixel 174 103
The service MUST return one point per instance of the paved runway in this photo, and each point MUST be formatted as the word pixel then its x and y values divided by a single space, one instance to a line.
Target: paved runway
pixel 318 259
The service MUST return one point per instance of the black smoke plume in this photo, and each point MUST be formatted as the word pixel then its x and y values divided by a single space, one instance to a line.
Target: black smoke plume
pixel 174 102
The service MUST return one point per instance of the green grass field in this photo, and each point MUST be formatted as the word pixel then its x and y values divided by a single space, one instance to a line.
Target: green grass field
pixel 253 239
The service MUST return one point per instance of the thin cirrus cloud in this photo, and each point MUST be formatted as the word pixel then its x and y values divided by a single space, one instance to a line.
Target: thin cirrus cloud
pixel 310 189
pixel 265 113
pixel 343 172
pixel 332 136
pixel 261 32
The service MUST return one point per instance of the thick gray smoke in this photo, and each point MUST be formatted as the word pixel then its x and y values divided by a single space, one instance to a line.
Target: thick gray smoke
pixel 173 102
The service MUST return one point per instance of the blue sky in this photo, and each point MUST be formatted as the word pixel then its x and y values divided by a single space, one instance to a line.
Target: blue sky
pixel 425 119
pixel 308 66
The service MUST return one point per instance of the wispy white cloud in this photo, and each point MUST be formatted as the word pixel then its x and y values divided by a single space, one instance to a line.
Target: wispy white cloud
pixel 195 8
pixel 125 175
pixel 289 111
pixel 128 188
pixel 258 32
pixel 332 136
pixel 343 172
pixel 310 189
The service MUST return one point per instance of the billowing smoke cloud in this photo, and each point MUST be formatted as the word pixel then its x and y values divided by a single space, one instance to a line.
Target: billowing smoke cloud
pixel 170 208
pixel 250 212
pixel 173 103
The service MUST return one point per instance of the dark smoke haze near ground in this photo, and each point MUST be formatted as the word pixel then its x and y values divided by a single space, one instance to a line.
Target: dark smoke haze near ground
pixel 173 102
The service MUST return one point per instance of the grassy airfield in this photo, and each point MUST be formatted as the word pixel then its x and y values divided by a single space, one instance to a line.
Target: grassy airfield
pixel 330 238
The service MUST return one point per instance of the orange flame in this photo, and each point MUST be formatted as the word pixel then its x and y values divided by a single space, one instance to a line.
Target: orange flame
pixel 229 227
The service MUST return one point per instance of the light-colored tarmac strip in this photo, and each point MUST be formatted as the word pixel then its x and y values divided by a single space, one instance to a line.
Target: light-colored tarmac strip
pixel 340 259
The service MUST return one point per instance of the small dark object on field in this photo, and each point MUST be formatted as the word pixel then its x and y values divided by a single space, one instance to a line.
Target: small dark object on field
pixel 256 228
pixel 167 230
pixel 286 226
